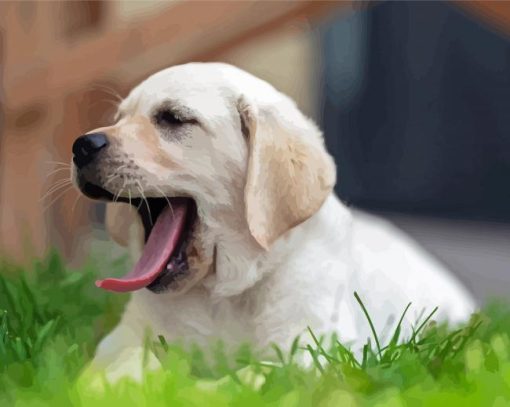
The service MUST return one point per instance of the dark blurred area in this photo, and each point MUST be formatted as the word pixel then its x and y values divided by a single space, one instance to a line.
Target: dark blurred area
pixel 416 110
pixel 412 97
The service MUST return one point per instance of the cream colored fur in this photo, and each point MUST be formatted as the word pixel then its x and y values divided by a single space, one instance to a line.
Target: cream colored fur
pixel 289 254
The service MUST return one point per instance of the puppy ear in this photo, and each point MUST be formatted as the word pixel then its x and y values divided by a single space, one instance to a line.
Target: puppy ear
pixel 123 223
pixel 290 174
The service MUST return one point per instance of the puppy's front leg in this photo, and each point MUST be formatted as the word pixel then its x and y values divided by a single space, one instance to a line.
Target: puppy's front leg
pixel 122 352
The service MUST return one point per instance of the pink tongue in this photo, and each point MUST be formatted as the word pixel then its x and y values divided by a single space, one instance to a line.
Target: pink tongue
pixel 160 245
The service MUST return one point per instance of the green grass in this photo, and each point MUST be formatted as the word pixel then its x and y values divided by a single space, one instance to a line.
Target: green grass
pixel 51 319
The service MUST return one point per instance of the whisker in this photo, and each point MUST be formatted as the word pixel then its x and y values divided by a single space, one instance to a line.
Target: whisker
pixel 55 188
pixel 107 89
pixel 55 191
pixel 116 173
pixel 117 195
pixel 146 202
pixel 167 200
pixel 112 103
pixel 57 170
pixel 58 182
pixel 56 166
pixel 141 201
pixel 111 178
pixel 75 202
pixel 123 187
pixel 57 163
pixel 116 198
pixel 60 195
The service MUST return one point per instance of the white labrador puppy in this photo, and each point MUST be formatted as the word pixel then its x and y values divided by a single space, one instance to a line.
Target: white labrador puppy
pixel 230 213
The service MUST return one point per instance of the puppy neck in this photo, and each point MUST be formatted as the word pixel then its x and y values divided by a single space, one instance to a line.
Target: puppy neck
pixel 241 263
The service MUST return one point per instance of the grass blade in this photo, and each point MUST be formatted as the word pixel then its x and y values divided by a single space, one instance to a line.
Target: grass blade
pixel 416 332
pixel 315 358
pixel 374 333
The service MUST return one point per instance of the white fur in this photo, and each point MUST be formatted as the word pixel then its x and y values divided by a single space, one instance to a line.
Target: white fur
pixel 306 278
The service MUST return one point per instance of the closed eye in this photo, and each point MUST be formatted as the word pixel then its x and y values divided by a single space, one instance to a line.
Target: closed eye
pixel 167 118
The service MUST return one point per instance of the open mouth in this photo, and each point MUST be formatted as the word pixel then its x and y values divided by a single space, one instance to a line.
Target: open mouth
pixel 168 224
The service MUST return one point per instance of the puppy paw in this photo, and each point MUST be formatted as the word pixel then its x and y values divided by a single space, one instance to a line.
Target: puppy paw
pixel 129 363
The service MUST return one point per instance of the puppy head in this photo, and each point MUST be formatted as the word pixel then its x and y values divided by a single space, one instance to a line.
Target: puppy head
pixel 234 157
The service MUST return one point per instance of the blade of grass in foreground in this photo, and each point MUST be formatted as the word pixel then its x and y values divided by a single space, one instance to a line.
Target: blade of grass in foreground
pixel 374 333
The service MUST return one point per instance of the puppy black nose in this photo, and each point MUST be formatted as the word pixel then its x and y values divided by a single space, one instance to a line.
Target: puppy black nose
pixel 86 147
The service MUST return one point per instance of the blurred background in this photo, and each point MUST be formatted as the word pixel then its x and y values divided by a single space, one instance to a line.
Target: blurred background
pixel 413 98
